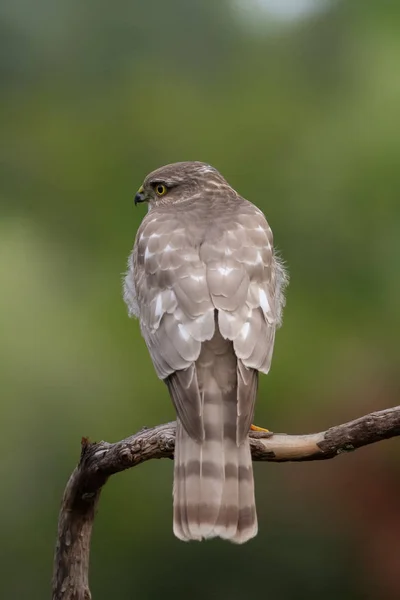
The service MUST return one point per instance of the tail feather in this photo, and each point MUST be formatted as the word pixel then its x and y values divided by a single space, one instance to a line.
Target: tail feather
pixel 180 522
pixel 229 510
pixel 213 476
pixel 213 479
pixel 247 526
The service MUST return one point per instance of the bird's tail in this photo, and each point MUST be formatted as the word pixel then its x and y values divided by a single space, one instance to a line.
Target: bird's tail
pixel 213 479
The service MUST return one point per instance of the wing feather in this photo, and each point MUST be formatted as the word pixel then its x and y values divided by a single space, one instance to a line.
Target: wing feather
pixel 245 281
pixel 175 310
pixel 184 391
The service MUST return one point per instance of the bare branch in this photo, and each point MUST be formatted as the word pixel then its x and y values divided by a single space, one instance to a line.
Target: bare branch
pixel 100 460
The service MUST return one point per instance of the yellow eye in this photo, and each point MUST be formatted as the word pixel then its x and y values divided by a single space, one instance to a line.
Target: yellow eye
pixel 160 189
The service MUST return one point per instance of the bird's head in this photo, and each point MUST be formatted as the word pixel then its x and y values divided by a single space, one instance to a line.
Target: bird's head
pixel 178 182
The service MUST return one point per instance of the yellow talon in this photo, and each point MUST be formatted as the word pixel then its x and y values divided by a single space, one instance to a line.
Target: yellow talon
pixel 255 428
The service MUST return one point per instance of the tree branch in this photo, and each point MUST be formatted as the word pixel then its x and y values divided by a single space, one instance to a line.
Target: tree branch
pixel 100 460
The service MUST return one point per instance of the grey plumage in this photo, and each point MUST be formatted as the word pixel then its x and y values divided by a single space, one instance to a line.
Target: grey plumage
pixel 208 291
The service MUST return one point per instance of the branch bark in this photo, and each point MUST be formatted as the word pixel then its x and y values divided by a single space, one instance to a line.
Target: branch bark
pixel 100 460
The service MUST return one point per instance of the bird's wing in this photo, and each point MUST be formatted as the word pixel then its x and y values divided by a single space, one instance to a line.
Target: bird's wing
pixel 175 309
pixel 245 281
pixel 178 286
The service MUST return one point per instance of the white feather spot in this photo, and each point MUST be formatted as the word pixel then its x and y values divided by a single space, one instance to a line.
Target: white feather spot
pixel 183 332
pixel 259 228
pixel 155 235
pixel 197 277
pixel 259 258
pixel 225 270
pixel 148 254
pixel 206 169
pixel 244 331
pixel 264 301
pixel 168 248
pixel 159 306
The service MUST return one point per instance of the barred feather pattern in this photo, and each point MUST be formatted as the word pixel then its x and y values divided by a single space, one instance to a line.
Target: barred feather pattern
pixel 207 287
pixel 213 477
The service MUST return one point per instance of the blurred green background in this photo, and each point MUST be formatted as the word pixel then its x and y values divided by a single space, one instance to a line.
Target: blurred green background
pixel 297 103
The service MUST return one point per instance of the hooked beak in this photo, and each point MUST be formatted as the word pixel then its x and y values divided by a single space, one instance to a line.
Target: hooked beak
pixel 140 196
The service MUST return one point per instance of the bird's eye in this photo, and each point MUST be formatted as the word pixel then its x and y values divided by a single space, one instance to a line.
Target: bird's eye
pixel 160 189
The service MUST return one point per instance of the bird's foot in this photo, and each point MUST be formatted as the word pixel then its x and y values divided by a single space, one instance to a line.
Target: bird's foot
pixel 256 428
pixel 260 431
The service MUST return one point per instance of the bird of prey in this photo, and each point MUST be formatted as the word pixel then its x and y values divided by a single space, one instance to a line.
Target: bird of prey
pixel 207 287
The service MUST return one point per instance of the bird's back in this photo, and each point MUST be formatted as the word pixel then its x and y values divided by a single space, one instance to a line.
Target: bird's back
pixel 207 288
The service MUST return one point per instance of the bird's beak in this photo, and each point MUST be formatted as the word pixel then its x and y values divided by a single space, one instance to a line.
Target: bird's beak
pixel 140 196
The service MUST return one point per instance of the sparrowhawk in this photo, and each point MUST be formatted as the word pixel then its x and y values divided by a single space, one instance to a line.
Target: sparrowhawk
pixel 207 287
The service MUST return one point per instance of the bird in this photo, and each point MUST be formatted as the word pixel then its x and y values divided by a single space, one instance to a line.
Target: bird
pixel 207 287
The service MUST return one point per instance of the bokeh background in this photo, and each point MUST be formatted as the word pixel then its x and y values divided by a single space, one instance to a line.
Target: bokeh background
pixel 298 104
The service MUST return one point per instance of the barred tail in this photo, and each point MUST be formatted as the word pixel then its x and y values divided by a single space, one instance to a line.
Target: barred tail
pixel 213 479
